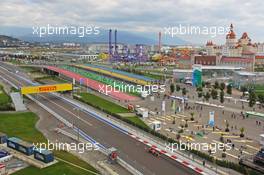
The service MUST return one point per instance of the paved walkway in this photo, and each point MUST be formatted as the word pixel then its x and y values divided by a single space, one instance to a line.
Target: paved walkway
pixel 18 101
pixel 160 143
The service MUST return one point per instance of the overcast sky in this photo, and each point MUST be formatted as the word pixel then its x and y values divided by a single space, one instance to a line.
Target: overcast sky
pixel 144 16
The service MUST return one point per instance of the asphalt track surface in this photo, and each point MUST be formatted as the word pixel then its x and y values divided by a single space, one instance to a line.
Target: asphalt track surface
pixel 130 150
pixel 93 84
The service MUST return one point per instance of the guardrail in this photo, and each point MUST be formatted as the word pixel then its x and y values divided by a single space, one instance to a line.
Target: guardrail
pixel 51 111
pixel 121 127
pixel 209 104
pixel 105 151
pixel 88 138
pixel 126 130
pixel 130 168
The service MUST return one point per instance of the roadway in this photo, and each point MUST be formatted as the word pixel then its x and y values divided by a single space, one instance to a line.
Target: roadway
pixel 129 149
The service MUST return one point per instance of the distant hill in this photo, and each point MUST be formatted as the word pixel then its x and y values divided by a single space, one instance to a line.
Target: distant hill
pixel 9 41
pixel 122 37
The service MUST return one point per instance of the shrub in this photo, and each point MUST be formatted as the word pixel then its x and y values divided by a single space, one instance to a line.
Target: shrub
pixel 223 163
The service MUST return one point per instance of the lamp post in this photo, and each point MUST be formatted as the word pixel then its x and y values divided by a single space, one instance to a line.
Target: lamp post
pixel 215 165
pixel 78 116
pixel 87 85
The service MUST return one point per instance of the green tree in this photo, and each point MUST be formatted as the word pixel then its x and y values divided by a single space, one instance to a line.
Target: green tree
pixel 174 120
pixel 222 94
pixel 227 126
pixel 222 138
pixel 252 98
pixel 207 84
pixel 222 86
pixel 243 89
pixel 184 91
pixel 203 84
pixel 216 85
pixel 261 99
pixel 192 114
pixel 242 130
pixel 186 123
pixel 229 89
pixel 200 94
pixel 207 96
pixel 214 94
pixel 199 89
pixel 178 88
pixel 172 88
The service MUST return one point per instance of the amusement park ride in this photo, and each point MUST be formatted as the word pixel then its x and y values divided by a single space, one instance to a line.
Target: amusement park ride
pixel 140 55
pixel 126 56
pixel 172 55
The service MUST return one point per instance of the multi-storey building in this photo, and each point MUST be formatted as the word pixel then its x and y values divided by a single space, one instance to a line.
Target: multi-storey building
pixel 235 52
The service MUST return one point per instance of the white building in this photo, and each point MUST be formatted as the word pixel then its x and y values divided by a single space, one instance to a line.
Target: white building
pixel 90 57
pixel 242 47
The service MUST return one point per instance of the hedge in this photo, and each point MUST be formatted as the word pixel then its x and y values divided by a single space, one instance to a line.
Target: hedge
pixel 5 101
pixel 222 163
pixel 6 107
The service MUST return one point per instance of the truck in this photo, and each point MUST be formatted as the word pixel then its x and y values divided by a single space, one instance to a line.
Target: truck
pixel 142 112
pixel 255 162
pixel 259 157
pixel 3 153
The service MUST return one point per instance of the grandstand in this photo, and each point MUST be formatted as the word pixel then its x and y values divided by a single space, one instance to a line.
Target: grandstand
pixel 95 85
pixel 101 78
pixel 138 79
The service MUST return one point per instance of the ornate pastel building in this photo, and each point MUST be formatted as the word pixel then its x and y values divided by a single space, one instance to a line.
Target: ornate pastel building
pixel 236 52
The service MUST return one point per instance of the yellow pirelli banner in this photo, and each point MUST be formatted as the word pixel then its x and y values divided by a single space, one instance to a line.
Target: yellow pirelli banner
pixel 46 88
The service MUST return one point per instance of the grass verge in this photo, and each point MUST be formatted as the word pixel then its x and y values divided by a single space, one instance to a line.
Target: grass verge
pixel 102 103
pixel 137 121
pixel 30 69
pixel 111 109
pixel 26 130
pixel 49 77
pixel 5 100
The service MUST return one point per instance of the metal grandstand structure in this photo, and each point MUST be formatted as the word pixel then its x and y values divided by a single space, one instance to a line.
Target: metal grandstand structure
pixel 138 56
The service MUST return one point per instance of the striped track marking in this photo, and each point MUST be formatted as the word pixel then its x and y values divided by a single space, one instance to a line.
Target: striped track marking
pixel 174 157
